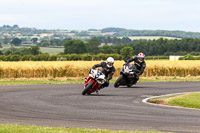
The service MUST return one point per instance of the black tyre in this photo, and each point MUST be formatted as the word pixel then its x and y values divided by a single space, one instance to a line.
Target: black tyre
pixel 129 85
pixel 117 82
pixel 87 88
pixel 132 83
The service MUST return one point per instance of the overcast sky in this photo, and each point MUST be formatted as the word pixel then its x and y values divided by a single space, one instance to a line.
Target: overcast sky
pixel 86 14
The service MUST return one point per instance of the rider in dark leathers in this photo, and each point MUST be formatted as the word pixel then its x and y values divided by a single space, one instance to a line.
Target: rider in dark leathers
pixel 139 63
pixel 108 69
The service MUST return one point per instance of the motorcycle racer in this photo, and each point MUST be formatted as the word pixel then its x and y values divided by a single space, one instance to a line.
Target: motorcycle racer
pixel 139 63
pixel 108 69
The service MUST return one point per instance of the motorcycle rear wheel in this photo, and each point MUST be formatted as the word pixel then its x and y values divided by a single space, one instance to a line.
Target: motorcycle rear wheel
pixel 88 87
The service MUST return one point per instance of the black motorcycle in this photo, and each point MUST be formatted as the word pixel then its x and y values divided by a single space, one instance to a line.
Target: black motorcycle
pixel 127 76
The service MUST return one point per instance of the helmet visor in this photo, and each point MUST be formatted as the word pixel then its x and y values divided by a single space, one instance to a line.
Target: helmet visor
pixel 140 59
pixel 110 64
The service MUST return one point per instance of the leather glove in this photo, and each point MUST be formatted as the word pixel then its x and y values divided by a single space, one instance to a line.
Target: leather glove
pixel 126 61
pixel 137 74
pixel 106 81
pixel 90 71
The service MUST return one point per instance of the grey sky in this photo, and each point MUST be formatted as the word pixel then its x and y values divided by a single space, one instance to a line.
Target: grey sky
pixel 98 14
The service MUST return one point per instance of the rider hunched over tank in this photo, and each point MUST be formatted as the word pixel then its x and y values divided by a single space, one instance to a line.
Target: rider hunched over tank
pixel 129 74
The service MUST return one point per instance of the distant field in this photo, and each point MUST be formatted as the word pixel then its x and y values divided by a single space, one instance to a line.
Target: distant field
pixel 151 37
pixel 51 51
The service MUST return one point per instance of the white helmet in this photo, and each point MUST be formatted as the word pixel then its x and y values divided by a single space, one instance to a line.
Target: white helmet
pixel 109 62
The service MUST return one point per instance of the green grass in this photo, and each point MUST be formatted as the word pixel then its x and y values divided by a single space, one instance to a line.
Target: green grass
pixel 168 80
pixel 26 82
pixel 80 80
pixel 190 100
pixel 34 129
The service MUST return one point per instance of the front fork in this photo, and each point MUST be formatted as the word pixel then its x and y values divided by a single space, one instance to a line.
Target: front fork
pixel 88 80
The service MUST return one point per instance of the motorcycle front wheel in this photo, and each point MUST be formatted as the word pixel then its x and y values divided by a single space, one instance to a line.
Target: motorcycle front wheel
pixel 117 82
pixel 88 87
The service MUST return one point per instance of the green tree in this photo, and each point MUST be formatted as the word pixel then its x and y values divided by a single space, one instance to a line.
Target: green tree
pixel 92 45
pixel 34 40
pixel 15 26
pixel 16 41
pixel 75 47
pixel 126 52
pixel 6 40
pixel 106 49
pixel 188 57
pixel 42 57
pixel 125 40
pixel 44 43
pixel 15 58
pixel 1 53
pixel 55 42
pixel 8 52
pixel 65 40
pixel 35 50
pixel 118 47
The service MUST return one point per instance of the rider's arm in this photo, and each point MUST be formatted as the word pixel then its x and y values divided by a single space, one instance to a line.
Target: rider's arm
pixel 143 68
pixel 131 59
pixel 97 65
pixel 111 74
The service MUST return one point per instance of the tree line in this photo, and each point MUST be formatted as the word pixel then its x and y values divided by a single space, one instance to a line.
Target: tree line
pixel 68 57
pixel 43 43
pixel 108 45
pixel 60 42
pixel 160 47
pixel 128 32
pixel 149 47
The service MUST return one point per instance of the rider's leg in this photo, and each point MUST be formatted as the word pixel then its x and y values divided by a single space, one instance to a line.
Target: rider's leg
pixel 136 79
pixel 106 84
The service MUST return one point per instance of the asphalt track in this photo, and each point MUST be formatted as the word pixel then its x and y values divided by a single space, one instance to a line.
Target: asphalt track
pixel 62 105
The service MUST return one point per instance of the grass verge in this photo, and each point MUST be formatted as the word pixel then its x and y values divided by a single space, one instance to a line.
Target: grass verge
pixel 34 129
pixel 71 80
pixel 190 100
pixel 26 82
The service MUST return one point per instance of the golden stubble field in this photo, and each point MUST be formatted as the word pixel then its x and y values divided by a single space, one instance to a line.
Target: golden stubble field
pixel 45 69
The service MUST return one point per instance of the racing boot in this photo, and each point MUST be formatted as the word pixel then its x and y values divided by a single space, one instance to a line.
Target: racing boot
pixel 98 90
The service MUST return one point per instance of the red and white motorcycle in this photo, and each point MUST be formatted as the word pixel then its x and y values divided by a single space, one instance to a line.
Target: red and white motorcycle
pixel 95 79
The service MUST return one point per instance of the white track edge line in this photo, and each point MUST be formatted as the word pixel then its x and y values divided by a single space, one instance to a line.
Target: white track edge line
pixel 146 101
